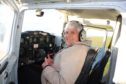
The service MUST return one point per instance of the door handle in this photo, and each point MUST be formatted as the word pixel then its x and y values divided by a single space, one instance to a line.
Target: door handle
pixel 5 75
pixel 3 67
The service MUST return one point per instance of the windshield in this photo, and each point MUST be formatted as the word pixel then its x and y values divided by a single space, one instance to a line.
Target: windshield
pixel 53 20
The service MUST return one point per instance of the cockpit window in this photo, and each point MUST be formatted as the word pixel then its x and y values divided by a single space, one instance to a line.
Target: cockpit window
pixel 97 37
pixel 50 21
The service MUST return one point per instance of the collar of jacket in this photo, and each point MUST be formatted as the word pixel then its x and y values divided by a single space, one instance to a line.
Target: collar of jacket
pixel 86 42
pixel 81 43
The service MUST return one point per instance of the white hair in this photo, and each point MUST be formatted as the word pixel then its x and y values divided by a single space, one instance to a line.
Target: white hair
pixel 75 24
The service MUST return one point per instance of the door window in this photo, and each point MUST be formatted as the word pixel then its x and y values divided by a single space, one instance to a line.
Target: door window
pixel 6 19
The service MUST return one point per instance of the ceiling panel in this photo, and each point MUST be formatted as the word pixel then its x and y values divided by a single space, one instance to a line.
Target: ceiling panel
pixel 57 1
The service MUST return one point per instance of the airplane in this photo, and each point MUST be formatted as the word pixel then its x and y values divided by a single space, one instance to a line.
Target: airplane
pixel 29 29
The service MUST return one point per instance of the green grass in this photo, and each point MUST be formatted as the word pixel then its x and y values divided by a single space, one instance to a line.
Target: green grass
pixel 106 68
pixel 98 41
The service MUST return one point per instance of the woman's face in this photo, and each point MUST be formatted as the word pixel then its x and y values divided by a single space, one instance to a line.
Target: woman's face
pixel 71 35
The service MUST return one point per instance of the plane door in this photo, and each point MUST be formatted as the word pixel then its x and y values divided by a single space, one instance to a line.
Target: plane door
pixel 8 57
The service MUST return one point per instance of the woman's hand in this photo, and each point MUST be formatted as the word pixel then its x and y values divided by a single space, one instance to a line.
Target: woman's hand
pixel 48 61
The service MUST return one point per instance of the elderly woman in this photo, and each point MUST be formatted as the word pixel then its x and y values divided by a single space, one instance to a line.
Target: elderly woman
pixel 68 62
